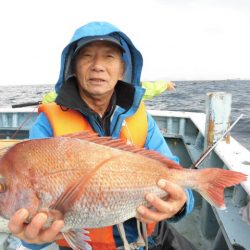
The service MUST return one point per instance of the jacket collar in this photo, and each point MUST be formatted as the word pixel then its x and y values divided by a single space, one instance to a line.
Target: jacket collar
pixel 69 97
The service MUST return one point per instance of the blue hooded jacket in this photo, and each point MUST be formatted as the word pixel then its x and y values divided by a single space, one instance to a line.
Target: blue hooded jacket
pixel 133 66
pixel 132 57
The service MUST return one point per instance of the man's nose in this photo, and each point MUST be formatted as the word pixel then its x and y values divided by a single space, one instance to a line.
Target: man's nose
pixel 97 64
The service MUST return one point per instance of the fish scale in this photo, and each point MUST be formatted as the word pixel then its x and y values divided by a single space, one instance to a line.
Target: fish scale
pixel 117 192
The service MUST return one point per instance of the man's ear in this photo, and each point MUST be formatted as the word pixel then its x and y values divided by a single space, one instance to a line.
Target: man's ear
pixel 123 70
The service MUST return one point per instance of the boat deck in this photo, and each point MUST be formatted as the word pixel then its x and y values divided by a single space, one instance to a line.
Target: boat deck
pixel 190 228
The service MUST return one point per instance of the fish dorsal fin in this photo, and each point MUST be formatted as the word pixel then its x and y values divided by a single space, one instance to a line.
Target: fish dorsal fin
pixel 121 144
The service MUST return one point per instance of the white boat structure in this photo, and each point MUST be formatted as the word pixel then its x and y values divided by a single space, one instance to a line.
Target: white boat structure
pixel 187 134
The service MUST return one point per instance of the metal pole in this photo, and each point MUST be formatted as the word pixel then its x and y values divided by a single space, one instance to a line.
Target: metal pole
pixel 218 109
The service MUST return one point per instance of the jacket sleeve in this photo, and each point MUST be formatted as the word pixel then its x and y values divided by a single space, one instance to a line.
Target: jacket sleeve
pixel 155 141
pixel 41 128
pixel 36 246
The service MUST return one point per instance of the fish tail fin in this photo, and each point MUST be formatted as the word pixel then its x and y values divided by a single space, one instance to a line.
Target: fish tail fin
pixel 213 181
pixel 77 239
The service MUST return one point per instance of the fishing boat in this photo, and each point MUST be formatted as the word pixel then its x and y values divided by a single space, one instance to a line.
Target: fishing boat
pixel 188 134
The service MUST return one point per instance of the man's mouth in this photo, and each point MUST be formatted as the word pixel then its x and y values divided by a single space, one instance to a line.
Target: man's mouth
pixel 96 80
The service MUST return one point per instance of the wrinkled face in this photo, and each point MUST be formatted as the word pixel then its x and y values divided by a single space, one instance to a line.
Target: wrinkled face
pixel 98 67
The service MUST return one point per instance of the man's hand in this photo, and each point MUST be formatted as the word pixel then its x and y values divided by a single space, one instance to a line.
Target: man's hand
pixel 33 232
pixel 164 209
pixel 171 86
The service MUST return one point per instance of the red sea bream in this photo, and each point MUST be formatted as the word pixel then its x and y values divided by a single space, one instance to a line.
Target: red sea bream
pixel 93 181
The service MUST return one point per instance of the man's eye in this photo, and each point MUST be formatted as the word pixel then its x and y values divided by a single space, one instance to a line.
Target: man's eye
pixel 86 55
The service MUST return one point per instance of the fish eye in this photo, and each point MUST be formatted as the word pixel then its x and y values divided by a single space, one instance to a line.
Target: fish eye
pixel 2 187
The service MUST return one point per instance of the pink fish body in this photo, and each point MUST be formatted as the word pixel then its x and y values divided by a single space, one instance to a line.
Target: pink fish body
pixel 95 182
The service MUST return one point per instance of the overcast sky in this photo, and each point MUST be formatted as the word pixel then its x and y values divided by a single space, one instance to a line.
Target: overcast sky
pixel 179 39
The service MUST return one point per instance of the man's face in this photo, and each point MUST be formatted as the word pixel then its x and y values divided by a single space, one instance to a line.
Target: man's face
pixel 99 66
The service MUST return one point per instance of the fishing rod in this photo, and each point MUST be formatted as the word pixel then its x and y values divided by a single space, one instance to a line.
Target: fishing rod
pixel 26 104
pixel 209 149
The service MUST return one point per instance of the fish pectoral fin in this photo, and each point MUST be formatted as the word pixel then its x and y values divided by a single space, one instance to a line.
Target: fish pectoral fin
pixel 77 188
pixel 77 239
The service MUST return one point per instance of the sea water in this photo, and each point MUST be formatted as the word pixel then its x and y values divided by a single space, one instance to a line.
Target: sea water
pixel 188 96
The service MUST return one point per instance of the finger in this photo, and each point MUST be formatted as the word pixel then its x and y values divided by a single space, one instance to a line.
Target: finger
pixel 177 197
pixel 59 236
pixel 52 233
pixel 16 223
pixel 160 205
pixel 140 215
pixel 148 215
pixel 174 191
pixel 33 228
pixel 141 219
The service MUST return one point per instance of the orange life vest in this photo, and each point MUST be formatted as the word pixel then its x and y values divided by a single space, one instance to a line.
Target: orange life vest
pixel 134 130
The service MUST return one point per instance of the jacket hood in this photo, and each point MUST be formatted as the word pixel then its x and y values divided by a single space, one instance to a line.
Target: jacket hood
pixel 132 57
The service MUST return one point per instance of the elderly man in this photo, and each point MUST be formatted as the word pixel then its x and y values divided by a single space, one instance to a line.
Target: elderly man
pixel 98 89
